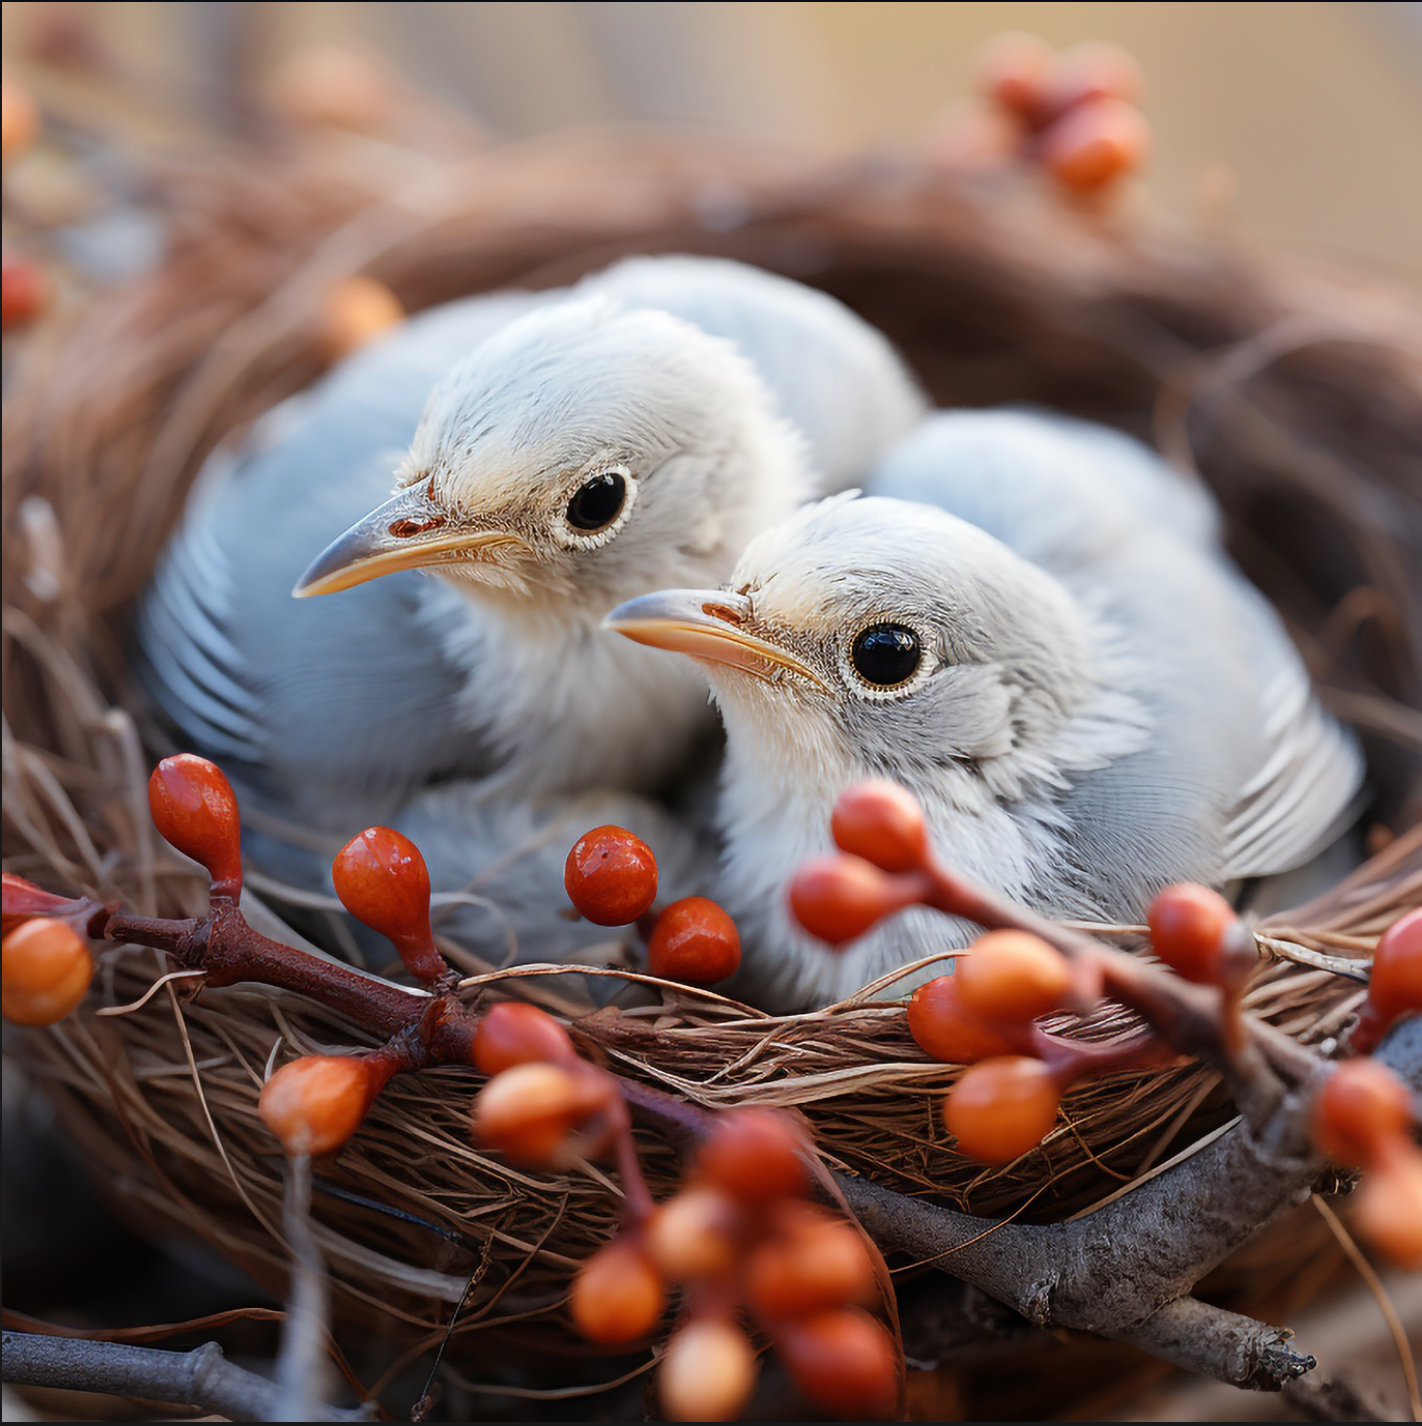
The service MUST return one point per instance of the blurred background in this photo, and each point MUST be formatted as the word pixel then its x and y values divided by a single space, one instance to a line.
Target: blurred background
pixel 1294 123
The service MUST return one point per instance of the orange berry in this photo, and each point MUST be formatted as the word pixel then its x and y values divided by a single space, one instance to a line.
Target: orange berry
pixel 1388 1210
pixel 1002 1108
pixel 19 121
pixel 755 1155
pixel 24 292
pixel 513 1033
pixel 354 313
pixel 1013 69
pixel 946 1030
pixel 844 1362
pixel 839 898
pixel 694 941
pixel 1094 144
pixel 1362 1109
pixel 618 1295
pixel 695 1235
pixel 382 881
pixel 46 969
pixel 882 823
pixel 812 1262
pixel 1087 73
pixel 1012 976
pixel 23 901
pixel 528 1112
pixel 1189 925
pixel 313 1105
pixel 707 1373
pixel 611 876
pixel 194 808
pixel 1395 984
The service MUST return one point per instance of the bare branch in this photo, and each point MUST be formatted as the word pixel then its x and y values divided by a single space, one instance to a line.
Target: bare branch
pixel 202 1378
pixel 1221 1344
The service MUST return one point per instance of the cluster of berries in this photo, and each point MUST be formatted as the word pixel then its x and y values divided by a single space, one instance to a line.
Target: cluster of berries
pixel 984 1015
pixel 1075 114
pixel 611 878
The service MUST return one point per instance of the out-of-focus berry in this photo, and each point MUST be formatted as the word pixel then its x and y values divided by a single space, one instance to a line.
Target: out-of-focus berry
pixel 1012 69
pixel 1388 1208
pixel 812 1261
pixel 194 808
pixel 513 1033
pixel 946 1030
pixel 696 1234
pixel 1395 981
pixel 844 1362
pixel 1189 925
pixel 708 1372
pixel 329 86
pixel 355 312
pixel 313 1105
pixel 755 1155
pixel 1012 976
pixel 1362 1109
pixel 528 1112
pixel 1002 1108
pixel 19 121
pixel 839 898
pixel 24 292
pixel 618 1294
pixel 1094 144
pixel 694 941
pixel 881 823
pixel 611 876
pixel 46 968
pixel 1087 73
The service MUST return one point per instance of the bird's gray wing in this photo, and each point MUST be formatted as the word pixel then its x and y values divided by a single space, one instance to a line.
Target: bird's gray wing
pixel 837 378
pixel 317 703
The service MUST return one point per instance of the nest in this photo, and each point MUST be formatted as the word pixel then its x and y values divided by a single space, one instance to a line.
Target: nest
pixel 1292 390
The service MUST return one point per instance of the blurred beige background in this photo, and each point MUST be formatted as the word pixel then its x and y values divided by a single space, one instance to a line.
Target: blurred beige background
pixel 1305 120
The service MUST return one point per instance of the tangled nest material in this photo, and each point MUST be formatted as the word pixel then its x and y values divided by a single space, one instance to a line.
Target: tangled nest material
pixel 1295 393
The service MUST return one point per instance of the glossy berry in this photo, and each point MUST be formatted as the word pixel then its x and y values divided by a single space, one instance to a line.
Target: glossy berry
pixel 194 808
pixel 696 1235
pixel 1088 73
pixel 527 1112
pixel 356 311
pixel 1095 144
pixel 1388 1208
pixel 812 1261
pixel 947 1031
pixel 611 876
pixel 46 969
pixel 24 292
pixel 23 901
pixel 707 1373
pixel 1190 926
pixel 844 1362
pixel 313 1105
pixel 1395 982
pixel 382 881
pixel 755 1155
pixel 1362 1109
pixel 618 1295
pixel 883 824
pixel 513 1033
pixel 1002 1108
pixel 839 898
pixel 694 941
pixel 1012 69
pixel 1012 976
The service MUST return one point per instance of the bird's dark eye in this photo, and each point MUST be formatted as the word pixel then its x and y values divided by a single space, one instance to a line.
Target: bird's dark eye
pixel 886 654
pixel 598 503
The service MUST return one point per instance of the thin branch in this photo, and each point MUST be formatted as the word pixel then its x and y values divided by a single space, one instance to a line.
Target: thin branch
pixel 202 1378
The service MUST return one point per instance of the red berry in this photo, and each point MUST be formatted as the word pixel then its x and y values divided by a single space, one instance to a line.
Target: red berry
pixel 527 1112
pixel 1192 928
pixel 382 881
pixel 24 292
pixel 513 1033
pixel 46 969
pixel 844 1362
pixel 755 1155
pixel 195 809
pixel 313 1105
pixel 707 1373
pixel 618 1295
pixel 1012 976
pixel 1362 1110
pixel 882 823
pixel 1013 68
pixel 694 941
pixel 946 1030
pixel 811 1262
pixel 1094 144
pixel 1088 73
pixel 1388 1209
pixel 1395 984
pixel 839 898
pixel 696 1234
pixel 1002 1108
pixel 611 876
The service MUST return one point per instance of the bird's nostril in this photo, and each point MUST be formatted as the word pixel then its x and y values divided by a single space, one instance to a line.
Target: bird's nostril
pixel 403 529
pixel 724 613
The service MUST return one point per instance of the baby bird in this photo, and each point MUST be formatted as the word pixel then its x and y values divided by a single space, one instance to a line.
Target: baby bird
pixel 1055 655
pixel 578 448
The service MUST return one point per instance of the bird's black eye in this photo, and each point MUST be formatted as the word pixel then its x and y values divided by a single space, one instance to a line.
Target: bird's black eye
pixel 599 502
pixel 886 654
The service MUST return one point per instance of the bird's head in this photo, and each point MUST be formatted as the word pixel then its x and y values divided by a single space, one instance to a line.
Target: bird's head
pixel 587 452
pixel 875 637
